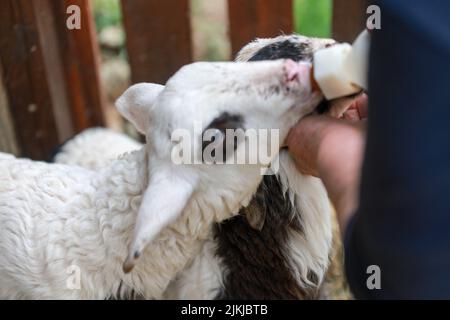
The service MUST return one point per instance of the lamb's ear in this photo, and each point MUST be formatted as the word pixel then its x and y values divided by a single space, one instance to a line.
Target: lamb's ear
pixel 134 104
pixel 164 200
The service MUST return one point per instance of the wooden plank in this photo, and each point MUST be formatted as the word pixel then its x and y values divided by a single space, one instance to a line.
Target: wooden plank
pixel 25 79
pixel 8 141
pixel 51 73
pixel 81 59
pixel 349 19
pixel 45 23
pixel 158 37
pixel 258 18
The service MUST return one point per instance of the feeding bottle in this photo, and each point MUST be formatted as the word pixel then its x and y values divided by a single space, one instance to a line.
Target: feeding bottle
pixel 341 70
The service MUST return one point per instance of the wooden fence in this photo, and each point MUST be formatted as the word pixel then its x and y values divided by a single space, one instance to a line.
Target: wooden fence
pixel 50 86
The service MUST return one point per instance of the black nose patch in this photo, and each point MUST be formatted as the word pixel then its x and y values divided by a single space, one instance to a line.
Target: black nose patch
pixel 297 51
pixel 218 127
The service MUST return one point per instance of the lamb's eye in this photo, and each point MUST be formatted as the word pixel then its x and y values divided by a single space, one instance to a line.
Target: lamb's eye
pixel 214 136
pixel 226 121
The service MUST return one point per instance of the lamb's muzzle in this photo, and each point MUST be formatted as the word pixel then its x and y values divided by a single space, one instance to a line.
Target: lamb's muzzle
pixel 298 73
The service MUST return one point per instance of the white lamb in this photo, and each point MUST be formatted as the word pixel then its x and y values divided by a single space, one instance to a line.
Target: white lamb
pixel 59 222
pixel 221 270
pixel 303 227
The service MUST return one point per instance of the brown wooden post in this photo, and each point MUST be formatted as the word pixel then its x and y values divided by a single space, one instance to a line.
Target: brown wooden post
pixel 158 37
pixel 8 141
pixel 26 79
pixel 349 19
pixel 258 18
pixel 81 60
pixel 50 73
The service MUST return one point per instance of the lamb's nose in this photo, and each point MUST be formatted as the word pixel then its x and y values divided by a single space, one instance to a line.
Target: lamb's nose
pixel 292 69
pixel 297 73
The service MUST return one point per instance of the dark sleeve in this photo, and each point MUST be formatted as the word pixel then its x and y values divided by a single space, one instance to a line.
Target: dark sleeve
pixel 403 222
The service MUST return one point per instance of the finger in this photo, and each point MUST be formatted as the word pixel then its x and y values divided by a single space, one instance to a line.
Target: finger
pixel 352 115
pixel 361 104
pixel 339 106
pixel 358 109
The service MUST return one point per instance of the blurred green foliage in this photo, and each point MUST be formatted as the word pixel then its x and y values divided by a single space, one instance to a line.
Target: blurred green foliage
pixel 313 17
pixel 107 13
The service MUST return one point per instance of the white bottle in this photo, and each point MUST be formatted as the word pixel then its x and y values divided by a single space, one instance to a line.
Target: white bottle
pixel 341 70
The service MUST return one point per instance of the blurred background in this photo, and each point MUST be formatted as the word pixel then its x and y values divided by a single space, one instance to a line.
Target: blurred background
pixel 56 82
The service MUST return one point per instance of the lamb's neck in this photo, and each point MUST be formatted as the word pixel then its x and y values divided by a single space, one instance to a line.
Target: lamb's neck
pixel 121 186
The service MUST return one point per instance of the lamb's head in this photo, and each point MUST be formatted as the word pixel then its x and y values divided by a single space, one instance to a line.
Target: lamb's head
pixel 298 48
pixel 198 104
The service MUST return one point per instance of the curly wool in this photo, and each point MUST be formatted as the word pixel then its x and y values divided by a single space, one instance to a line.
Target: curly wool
pixel 204 275
pixel 56 219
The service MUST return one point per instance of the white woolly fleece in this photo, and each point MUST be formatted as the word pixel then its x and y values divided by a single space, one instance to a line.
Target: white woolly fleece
pixel 59 220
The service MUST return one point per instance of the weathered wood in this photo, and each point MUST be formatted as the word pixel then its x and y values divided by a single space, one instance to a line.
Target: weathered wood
pixel 81 61
pixel 45 24
pixel 158 37
pixel 7 136
pixel 349 19
pixel 51 73
pixel 25 79
pixel 258 18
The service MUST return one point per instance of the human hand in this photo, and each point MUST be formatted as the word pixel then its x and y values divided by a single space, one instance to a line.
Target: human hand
pixel 332 150
pixel 350 108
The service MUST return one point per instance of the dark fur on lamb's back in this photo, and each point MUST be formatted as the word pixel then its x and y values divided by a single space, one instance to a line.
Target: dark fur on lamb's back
pixel 257 266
